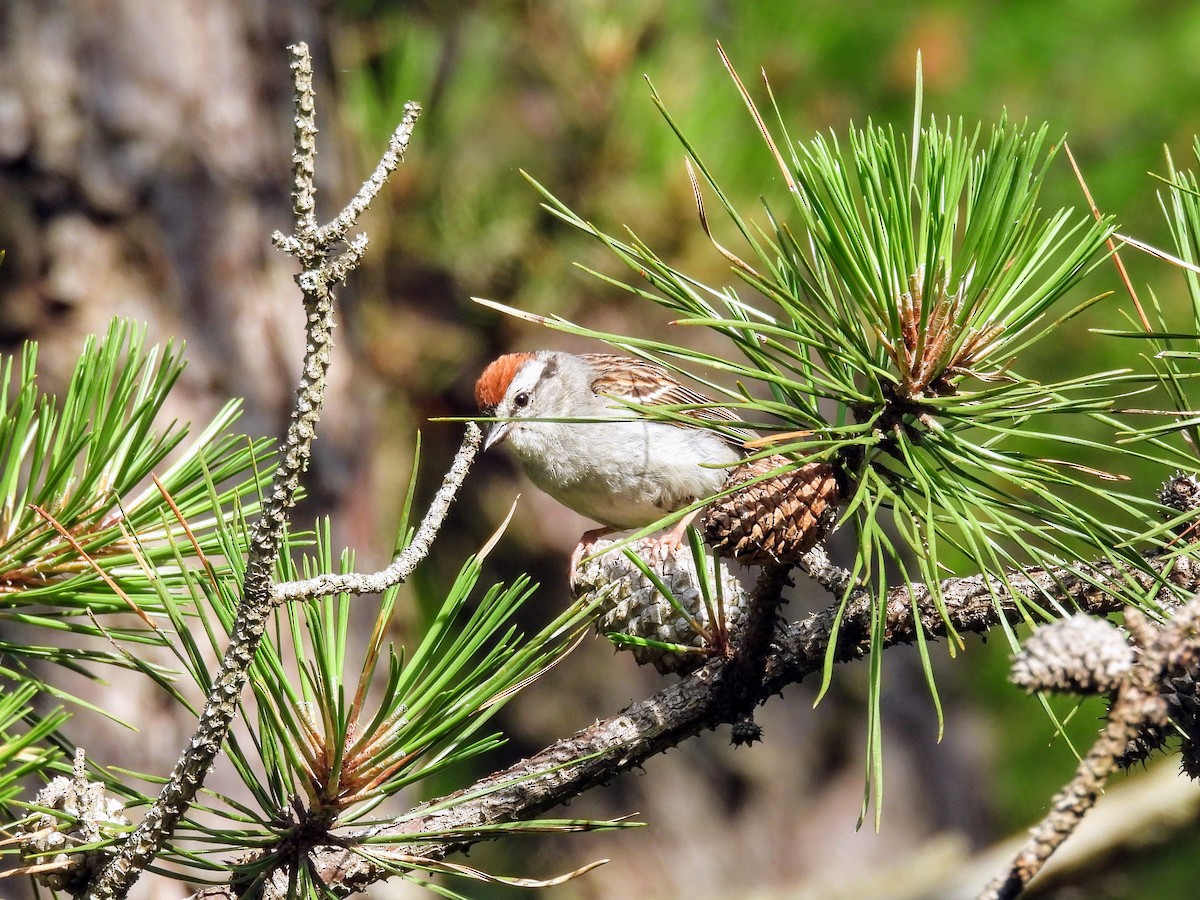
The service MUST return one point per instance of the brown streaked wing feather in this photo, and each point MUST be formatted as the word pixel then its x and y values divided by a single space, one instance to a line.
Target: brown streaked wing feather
pixel 644 382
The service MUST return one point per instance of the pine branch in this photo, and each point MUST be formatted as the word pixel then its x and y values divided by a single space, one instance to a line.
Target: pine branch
pixel 714 695
pixel 1138 703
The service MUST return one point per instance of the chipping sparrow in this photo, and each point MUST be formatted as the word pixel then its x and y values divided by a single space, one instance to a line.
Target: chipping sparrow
pixel 624 471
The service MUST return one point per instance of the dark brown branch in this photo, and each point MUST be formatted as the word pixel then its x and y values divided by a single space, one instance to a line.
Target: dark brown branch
pixel 712 696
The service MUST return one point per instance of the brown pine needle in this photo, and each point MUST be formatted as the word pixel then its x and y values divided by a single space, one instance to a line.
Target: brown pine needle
pixel 729 255
pixel 96 567
pixel 208 566
pixel 758 119
pixel 1110 243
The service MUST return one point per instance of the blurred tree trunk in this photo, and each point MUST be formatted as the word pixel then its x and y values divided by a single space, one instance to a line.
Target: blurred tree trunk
pixel 143 161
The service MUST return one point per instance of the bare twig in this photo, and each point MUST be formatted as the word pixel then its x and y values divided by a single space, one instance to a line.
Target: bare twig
pixel 317 281
pixel 815 563
pixel 402 566
pixel 345 220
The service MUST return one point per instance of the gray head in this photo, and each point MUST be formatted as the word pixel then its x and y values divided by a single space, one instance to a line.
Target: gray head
pixel 527 385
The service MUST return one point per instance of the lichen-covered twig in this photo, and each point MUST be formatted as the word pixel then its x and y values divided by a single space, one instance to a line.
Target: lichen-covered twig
pixel 1137 704
pixel 815 563
pixel 321 272
pixel 345 220
pixel 402 566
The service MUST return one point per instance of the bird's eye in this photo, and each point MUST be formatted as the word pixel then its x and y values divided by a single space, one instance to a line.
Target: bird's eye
pixel 522 399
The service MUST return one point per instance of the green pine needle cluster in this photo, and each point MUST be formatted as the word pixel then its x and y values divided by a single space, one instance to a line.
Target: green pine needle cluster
pixel 26 745
pixel 1171 431
pixel 1172 355
pixel 80 513
pixel 125 546
pixel 337 726
pixel 886 307
pixel 103 513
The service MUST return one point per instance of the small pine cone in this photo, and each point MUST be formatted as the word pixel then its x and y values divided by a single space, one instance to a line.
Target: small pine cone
pixel 1180 492
pixel 775 520
pixel 1183 704
pixel 633 605
pixel 91 815
pixel 1151 739
pixel 1182 693
pixel 745 732
pixel 1189 760
pixel 1081 654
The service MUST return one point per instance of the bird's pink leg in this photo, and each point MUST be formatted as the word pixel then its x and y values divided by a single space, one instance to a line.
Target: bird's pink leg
pixel 673 537
pixel 584 547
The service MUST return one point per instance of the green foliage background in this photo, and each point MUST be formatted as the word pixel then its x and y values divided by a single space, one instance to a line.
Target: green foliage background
pixel 557 90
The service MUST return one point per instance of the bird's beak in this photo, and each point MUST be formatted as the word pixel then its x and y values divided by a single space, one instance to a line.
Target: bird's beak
pixel 496 434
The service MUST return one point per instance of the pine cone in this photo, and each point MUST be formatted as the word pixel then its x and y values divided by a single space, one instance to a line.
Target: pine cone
pixel 634 606
pixel 1144 745
pixel 1180 492
pixel 777 519
pixel 1080 654
pixel 1183 708
pixel 90 816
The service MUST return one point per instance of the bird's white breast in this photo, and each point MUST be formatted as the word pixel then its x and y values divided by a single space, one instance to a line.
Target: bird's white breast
pixel 623 474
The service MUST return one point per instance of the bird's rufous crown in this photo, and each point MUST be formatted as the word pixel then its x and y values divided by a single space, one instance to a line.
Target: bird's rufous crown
pixel 493 383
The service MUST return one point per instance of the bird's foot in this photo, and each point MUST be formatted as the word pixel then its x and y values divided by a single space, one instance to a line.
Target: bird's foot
pixel 665 543
pixel 672 539
pixel 584 547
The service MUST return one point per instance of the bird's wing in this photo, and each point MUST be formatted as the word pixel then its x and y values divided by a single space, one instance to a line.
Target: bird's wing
pixel 645 383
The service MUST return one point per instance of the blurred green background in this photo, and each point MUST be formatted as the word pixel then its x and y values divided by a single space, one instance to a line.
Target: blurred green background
pixel 559 90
